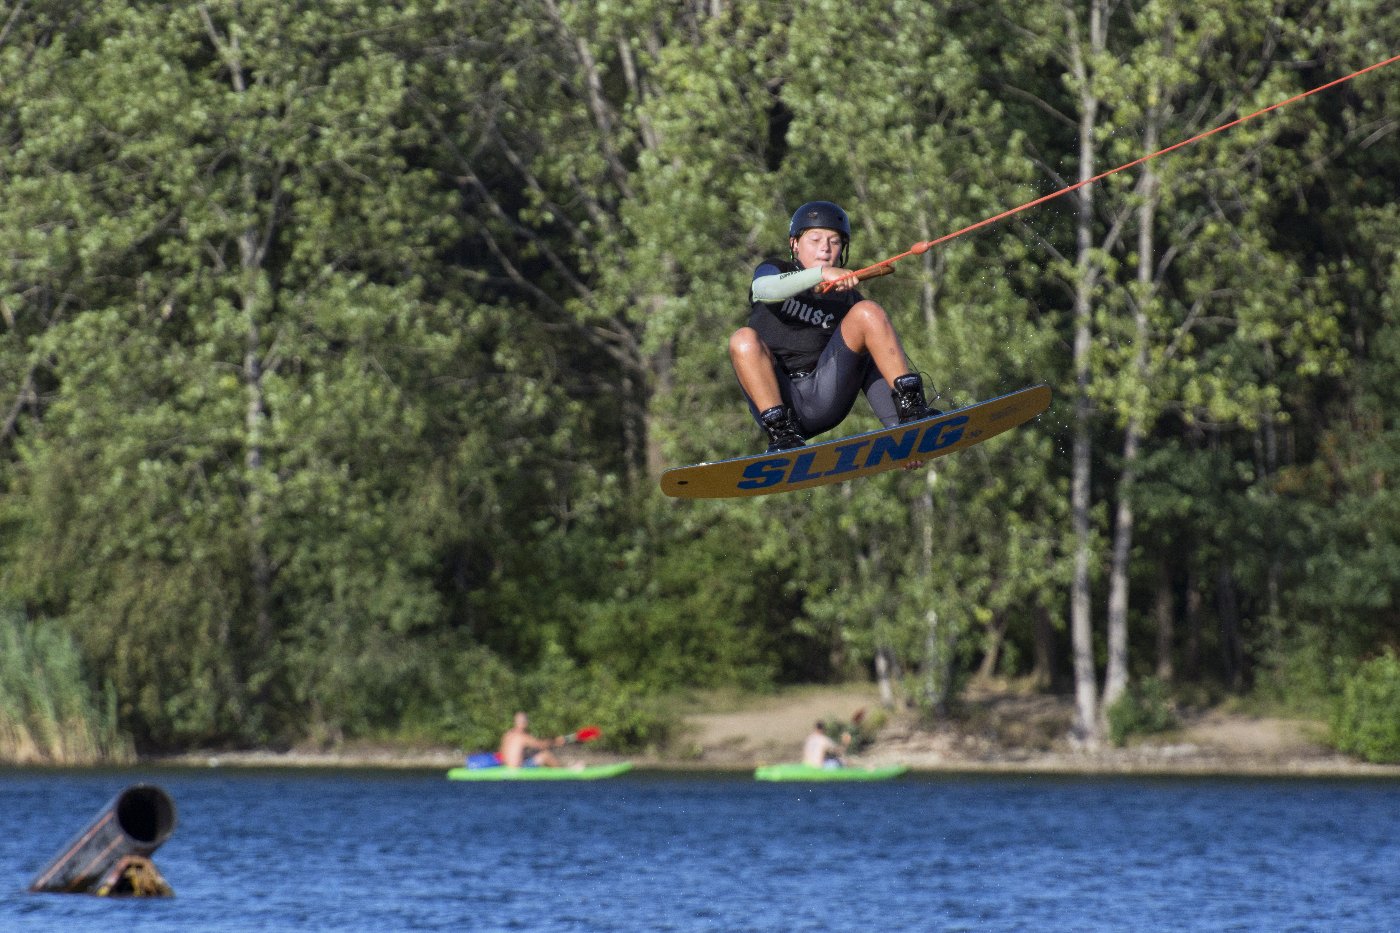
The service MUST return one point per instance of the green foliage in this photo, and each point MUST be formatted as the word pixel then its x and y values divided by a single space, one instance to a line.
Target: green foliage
pixel 1145 708
pixel 48 713
pixel 862 733
pixel 1367 718
pixel 340 346
pixel 559 696
pixel 1302 671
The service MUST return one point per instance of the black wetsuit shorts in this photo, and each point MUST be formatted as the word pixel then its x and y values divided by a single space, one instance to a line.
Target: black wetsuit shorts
pixel 822 397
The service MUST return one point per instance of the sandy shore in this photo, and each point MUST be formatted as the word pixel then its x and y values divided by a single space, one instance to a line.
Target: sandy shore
pixel 997 733
pixel 1024 733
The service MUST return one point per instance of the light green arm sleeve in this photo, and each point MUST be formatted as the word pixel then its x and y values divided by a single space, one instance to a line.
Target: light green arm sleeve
pixel 775 288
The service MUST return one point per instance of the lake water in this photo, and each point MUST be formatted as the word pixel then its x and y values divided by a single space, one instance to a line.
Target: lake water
pixel 392 851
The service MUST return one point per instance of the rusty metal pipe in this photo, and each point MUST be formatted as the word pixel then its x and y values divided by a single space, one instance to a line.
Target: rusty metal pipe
pixel 134 823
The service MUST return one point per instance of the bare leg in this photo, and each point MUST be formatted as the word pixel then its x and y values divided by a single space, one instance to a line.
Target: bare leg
pixel 753 364
pixel 866 328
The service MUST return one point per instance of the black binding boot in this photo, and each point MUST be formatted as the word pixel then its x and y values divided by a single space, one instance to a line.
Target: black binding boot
pixel 909 401
pixel 781 425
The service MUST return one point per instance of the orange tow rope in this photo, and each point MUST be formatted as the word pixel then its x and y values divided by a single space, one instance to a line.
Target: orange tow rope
pixel 884 267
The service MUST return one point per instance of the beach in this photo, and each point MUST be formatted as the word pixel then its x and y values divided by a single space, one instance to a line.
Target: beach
pixel 993 731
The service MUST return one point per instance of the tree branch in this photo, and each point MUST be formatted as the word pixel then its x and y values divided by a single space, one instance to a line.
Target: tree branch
pixel 26 396
pixel 597 104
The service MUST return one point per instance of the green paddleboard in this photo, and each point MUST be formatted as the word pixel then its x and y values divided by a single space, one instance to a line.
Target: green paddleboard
pixel 588 773
pixel 796 771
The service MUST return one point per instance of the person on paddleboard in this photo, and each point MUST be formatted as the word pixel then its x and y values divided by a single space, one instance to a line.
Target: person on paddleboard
pixel 520 749
pixel 804 356
pixel 819 751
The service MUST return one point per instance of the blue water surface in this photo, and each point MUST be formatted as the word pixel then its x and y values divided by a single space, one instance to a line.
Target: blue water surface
pixel 394 851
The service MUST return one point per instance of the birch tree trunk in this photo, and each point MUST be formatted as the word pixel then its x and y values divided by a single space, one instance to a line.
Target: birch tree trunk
pixel 252 253
pixel 1087 727
pixel 885 667
pixel 937 665
pixel 1116 676
pixel 255 414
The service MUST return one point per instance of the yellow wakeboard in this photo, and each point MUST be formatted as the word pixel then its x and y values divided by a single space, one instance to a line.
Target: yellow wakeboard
pixel 838 460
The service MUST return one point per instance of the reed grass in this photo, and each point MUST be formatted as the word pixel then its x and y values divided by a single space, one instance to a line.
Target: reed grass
pixel 49 712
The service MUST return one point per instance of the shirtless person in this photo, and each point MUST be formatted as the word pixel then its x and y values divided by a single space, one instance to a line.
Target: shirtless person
pixel 520 749
pixel 819 751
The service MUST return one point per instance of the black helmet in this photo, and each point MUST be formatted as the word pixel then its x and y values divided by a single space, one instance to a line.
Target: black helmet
pixel 827 216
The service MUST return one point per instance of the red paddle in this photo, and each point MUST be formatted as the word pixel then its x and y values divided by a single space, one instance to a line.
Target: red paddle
pixel 586 734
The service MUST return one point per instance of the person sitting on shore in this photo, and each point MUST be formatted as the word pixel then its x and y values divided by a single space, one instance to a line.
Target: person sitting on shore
pixel 520 749
pixel 819 751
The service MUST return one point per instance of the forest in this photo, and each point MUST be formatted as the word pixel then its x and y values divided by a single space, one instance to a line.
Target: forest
pixel 342 345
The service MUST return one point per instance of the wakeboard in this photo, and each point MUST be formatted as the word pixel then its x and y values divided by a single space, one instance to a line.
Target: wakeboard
pixel 847 458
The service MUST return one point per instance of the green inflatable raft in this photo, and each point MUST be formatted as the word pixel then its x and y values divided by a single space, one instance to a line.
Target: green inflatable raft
pixel 796 771
pixel 587 773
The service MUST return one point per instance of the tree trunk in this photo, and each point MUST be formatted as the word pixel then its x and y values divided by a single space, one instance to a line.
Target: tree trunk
pixel 663 366
pixel 1116 674
pixel 252 253
pixel 1162 612
pixel 253 419
pixel 997 632
pixel 937 666
pixel 1044 673
pixel 886 668
pixel 26 397
pixel 935 676
pixel 1116 677
pixel 1231 645
pixel 1193 626
pixel 1087 727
